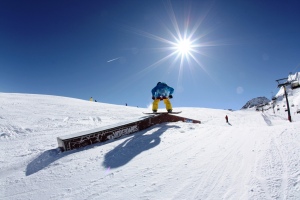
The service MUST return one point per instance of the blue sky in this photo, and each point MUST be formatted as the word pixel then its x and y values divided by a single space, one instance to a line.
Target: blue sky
pixel 116 51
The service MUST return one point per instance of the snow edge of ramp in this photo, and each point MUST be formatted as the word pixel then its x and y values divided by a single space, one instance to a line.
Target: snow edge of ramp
pixel 85 138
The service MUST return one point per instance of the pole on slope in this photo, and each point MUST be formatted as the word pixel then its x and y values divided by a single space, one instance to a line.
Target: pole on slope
pixel 286 95
pixel 287 104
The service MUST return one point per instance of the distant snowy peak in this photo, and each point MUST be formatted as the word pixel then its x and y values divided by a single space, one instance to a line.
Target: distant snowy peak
pixel 255 102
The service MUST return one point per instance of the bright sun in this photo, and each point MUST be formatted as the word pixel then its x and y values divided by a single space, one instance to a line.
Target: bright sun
pixel 184 47
pixel 182 43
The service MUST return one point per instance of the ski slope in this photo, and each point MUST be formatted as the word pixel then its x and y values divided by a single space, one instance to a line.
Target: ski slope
pixel 255 156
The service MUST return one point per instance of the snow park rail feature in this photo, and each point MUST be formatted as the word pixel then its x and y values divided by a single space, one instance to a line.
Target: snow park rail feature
pixel 102 134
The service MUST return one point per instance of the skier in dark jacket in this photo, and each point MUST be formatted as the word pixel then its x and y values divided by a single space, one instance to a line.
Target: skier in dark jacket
pixel 162 92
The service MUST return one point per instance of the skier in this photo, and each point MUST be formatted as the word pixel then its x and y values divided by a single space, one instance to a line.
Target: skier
pixel 91 99
pixel 162 92
pixel 226 117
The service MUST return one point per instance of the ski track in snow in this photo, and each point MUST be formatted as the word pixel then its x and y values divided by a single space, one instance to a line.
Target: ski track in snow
pixel 254 156
pixel 275 175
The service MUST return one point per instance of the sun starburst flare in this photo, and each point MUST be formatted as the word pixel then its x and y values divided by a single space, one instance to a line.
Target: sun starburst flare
pixel 184 46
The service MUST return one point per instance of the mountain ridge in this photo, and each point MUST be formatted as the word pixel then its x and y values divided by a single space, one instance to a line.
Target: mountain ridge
pixel 255 102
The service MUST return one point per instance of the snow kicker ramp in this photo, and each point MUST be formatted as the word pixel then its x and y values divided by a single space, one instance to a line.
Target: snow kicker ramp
pixel 85 138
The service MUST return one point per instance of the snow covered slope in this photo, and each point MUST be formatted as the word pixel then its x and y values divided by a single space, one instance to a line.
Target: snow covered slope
pixel 293 97
pixel 255 156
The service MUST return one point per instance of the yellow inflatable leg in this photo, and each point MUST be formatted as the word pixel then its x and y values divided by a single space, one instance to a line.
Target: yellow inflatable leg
pixel 168 104
pixel 155 104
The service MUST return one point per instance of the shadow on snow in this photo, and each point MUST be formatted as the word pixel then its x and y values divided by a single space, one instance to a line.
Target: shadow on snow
pixel 133 146
pixel 117 157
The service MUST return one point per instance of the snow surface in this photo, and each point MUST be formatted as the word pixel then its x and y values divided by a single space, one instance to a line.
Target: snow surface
pixel 294 77
pixel 293 98
pixel 255 156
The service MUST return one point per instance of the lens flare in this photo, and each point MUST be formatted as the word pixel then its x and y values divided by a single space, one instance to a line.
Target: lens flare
pixel 183 44
pixel 184 47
